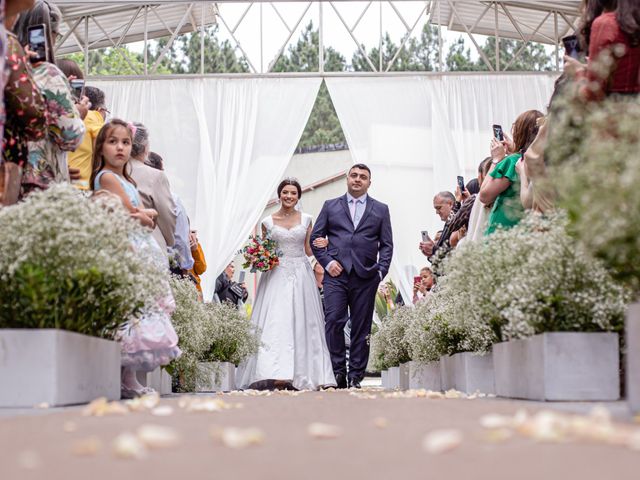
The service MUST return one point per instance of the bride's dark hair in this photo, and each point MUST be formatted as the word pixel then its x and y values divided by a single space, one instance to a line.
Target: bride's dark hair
pixel 290 181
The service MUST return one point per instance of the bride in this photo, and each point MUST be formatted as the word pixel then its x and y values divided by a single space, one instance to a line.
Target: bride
pixel 287 308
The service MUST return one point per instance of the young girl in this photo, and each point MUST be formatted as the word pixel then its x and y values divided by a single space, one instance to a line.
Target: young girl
pixel 149 341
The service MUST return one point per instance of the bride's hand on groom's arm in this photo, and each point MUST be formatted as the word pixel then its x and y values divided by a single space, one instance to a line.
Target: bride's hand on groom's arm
pixel 320 242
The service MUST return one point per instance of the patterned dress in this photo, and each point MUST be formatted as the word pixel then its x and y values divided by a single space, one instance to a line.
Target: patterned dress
pixel 26 110
pixel 47 161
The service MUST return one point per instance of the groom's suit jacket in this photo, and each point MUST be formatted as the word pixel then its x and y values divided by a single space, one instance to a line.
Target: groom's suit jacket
pixel 366 249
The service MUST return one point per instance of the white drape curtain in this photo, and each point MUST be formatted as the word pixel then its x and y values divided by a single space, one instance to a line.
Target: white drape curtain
pixel 418 133
pixel 225 142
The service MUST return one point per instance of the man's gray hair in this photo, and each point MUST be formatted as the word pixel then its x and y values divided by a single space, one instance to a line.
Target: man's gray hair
pixel 446 196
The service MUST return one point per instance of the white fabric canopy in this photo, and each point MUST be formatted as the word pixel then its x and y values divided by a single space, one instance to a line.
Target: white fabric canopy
pixel 225 143
pixel 418 133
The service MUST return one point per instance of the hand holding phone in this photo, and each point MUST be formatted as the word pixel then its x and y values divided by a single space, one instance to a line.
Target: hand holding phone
pixel 498 133
pixel 572 46
pixel 77 88
pixel 38 43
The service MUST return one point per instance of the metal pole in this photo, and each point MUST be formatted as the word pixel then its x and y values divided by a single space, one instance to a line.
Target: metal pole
pixel 261 42
pixel 380 41
pixel 86 46
pixel 440 63
pixel 321 41
pixel 202 21
pixel 146 40
pixel 495 4
pixel 555 34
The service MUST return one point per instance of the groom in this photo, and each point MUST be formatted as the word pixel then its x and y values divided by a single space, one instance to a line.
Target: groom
pixel 357 259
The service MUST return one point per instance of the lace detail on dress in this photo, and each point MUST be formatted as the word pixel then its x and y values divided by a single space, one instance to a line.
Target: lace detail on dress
pixel 290 242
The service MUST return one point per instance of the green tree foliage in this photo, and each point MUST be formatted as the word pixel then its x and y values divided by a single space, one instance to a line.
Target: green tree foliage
pixel 111 61
pixel 323 126
pixel 532 58
pixel 417 54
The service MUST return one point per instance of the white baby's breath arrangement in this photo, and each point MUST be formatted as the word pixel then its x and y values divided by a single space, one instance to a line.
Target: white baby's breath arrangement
pixel 559 287
pixel 67 261
pixel 194 328
pixel 233 337
pixel 520 282
pixel 388 344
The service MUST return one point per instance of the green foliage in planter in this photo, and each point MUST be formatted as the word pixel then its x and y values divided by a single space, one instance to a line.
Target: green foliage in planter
pixel 594 156
pixel 67 262
pixel 233 337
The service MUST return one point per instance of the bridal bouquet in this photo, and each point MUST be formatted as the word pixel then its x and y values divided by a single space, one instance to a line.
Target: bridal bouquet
pixel 261 254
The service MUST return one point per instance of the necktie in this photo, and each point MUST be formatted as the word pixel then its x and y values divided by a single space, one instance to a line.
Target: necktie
pixel 357 212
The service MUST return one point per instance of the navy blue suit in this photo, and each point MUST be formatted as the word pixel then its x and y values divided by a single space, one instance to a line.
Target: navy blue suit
pixel 365 255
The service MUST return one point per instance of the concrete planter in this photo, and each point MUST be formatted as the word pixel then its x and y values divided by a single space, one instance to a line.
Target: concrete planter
pixel 393 378
pixel 220 377
pixel 467 372
pixel 384 375
pixel 157 379
pixel 405 371
pixel 570 366
pixel 425 376
pixel 56 367
pixel 633 357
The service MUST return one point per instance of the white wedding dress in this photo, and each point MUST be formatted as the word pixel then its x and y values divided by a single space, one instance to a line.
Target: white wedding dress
pixel 288 313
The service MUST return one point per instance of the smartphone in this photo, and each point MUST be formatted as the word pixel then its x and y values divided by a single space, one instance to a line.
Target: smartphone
pixel 461 183
pixel 241 279
pixel 417 279
pixel 572 47
pixel 425 236
pixel 77 87
pixel 498 133
pixel 38 43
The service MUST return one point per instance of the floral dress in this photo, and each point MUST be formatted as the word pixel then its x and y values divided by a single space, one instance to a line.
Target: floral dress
pixel 47 160
pixel 149 341
pixel 26 110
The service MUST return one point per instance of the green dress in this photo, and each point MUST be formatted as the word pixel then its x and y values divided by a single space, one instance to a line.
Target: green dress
pixel 507 210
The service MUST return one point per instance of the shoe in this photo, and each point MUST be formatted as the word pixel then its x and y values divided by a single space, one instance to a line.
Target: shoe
pixel 353 383
pixel 341 380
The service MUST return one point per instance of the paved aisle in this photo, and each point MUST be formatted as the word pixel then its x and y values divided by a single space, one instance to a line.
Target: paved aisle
pixel 37 446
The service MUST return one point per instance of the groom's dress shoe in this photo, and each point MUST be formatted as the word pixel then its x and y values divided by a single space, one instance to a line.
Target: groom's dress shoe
pixel 354 384
pixel 341 380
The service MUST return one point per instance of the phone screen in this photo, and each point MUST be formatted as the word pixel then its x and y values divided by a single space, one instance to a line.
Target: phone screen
pixel 572 46
pixel 241 280
pixel 77 85
pixel 38 42
pixel 497 132
pixel 461 183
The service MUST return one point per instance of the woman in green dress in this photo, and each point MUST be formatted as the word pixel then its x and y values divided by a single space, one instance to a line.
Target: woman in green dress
pixel 502 185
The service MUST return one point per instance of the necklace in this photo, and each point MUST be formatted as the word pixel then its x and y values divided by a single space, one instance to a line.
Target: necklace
pixel 285 214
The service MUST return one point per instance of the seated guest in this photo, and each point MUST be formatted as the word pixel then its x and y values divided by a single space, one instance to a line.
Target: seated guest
pixel 229 291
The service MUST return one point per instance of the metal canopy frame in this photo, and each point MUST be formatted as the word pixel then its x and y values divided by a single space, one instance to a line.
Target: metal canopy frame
pixel 92 24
